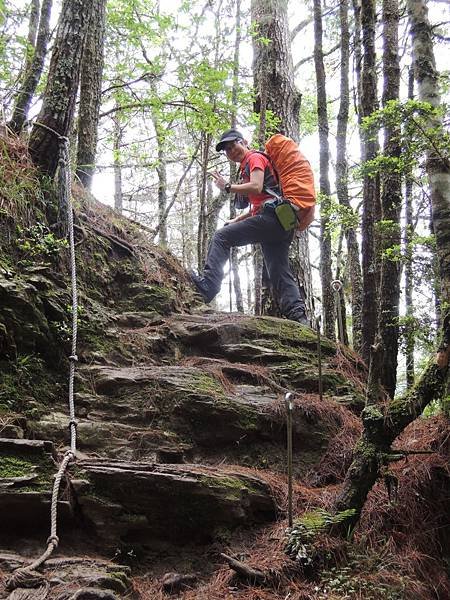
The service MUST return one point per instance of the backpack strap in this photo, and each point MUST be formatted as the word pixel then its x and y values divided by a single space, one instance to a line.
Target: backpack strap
pixel 271 187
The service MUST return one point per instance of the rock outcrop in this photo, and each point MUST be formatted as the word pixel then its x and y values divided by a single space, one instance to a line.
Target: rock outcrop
pixel 181 420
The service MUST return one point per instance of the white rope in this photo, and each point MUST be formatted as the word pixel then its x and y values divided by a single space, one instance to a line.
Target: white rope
pixel 19 576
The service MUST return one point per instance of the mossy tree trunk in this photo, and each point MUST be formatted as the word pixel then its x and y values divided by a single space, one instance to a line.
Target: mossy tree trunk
pixel 391 202
pixel 371 452
pixel 371 195
pixel 58 105
pixel 34 65
pixel 437 162
pixel 90 93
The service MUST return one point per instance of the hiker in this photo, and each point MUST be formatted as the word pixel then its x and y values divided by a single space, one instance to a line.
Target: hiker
pixel 260 225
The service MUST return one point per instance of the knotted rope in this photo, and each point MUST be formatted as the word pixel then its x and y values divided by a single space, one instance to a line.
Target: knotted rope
pixel 27 576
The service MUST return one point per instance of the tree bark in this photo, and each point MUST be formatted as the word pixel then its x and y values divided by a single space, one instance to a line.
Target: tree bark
pixel 380 430
pixel 341 313
pixel 33 69
pixel 234 266
pixel 275 91
pixel 437 166
pixel 354 266
pixel 369 104
pixel 409 277
pixel 391 202
pixel 58 106
pixel 272 65
pixel 90 93
pixel 117 143
pixel 326 275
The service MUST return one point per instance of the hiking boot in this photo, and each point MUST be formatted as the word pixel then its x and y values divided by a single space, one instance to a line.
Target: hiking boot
pixel 300 317
pixel 200 285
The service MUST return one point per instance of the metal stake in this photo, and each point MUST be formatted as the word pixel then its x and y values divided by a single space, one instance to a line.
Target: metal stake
pixel 319 357
pixel 289 406
pixel 336 286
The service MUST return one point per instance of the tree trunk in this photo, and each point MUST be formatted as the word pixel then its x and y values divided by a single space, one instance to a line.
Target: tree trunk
pixel 326 275
pixel 437 166
pixel 275 91
pixel 341 313
pixel 409 277
pixel 234 266
pixel 33 28
pixel 391 201
pixel 33 69
pixel 258 263
pixel 380 430
pixel 369 104
pixel 202 220
pixel 117 143
pixel 58 105
pixel 162 192
pixel 354 266
pixel 272 64
pixel 90 93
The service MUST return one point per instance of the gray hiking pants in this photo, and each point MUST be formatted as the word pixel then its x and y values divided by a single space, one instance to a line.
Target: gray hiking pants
pixel 266 230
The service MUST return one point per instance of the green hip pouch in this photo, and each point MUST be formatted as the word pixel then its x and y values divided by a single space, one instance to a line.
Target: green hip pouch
pixel 286 216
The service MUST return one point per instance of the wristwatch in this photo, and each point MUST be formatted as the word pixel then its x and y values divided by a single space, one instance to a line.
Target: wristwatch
pixel 227 187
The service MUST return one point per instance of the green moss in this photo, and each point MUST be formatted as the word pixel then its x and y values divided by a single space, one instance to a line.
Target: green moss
pixel 231 486
pixel 365 449
pixel 12 466
pixel 204 384
pixel 152 298
pixel 285 330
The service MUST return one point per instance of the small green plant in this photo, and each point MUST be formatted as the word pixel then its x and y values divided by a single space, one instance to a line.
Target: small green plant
pixel 39 241
pixel 307 527
pixel 17 377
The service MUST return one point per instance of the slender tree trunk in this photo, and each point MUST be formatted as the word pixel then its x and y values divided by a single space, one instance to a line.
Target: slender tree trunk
pixel 233 170
pixel 258 263
pixel 369 104
pixel 341 312
pixel 410 328
pixel 162 190
pixel 326 275
pixel 33 69
pixel 90 93
pixel 60 94
pixel 33 29
pixel 203 209
pixel 249 281
pixel 437 166
pixel 354 266
pixel 391 201
pixel 117 144
pixel 237 280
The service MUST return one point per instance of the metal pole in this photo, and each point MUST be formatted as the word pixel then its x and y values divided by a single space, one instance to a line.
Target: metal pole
pixel 336 286
pixel 289 406
pixel 319 357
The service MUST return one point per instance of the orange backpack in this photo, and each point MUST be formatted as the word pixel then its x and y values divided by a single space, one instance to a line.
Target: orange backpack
pixel 296 178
